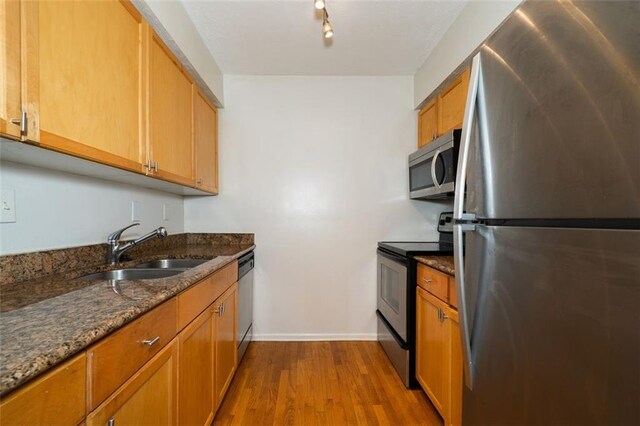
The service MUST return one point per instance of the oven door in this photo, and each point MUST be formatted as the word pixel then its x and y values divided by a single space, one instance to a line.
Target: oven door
pixel 392 291
pixel 432 174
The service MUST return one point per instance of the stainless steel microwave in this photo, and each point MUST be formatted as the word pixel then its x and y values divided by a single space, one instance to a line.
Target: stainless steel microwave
pixel 432 169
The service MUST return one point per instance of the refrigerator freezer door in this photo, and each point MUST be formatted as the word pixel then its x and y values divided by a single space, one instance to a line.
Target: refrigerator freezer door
pixel 561 85
pixel 555 336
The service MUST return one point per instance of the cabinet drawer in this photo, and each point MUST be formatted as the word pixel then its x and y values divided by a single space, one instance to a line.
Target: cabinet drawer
pixel 58 397
pixel 434 282
pixel 194 300
pixel 149 397
pixel 117 357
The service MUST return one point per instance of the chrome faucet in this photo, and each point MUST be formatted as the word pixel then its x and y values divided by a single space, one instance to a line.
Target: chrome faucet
pixel 116 249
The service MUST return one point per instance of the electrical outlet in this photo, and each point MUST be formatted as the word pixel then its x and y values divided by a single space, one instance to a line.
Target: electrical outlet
pixel 165 212
pixel 7 206
pixel 135 211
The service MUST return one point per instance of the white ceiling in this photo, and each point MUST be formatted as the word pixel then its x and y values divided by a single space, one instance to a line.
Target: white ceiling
pixel 284 37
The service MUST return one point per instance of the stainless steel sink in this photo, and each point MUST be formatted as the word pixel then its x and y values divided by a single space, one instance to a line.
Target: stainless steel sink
pixel 172 263
pixel 133 274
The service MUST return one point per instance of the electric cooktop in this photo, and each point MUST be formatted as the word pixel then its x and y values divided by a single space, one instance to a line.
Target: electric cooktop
pixel 443 247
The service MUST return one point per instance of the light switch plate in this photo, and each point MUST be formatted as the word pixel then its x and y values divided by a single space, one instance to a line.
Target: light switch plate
pixel 135 211
pixel 7 206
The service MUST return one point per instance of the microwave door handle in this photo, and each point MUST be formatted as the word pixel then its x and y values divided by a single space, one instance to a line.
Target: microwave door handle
pixel 433 169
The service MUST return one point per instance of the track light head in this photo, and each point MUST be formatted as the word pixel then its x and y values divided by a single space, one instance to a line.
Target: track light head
pixel 319 4
pixel 327 29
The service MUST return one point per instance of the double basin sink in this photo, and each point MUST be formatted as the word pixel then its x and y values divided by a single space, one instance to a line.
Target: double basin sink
pixel 161 268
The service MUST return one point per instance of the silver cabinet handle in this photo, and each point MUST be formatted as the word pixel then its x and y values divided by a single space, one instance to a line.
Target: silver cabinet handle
pixel 218 310
pixel 223 309
pixel 23 122
pixel 111 422
pixel 475 96
pixel 151 342
pixel 427 281
pixel 155 167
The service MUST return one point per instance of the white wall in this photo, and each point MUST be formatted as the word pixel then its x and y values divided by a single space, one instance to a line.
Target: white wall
pixel 317 168
pixel 56 210
pixel 474 24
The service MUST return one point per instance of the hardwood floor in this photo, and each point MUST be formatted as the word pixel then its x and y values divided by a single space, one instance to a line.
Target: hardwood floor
pixel 321 383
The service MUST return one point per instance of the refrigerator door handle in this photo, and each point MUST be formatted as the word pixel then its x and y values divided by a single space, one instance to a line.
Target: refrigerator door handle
pixel 465 332
pixel 465 139
pixel 460 217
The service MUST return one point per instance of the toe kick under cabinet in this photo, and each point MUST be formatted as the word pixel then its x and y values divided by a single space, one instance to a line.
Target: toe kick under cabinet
pixel 173 365
pixel 438 346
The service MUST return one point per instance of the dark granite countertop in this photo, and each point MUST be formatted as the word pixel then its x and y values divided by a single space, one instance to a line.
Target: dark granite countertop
pixel 441 263
pixel 45 320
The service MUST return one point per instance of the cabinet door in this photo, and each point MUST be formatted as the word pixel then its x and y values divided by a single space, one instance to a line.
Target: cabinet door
pixel 148 398
pixel 432 350
pixel 57 397
pixel 87 57
pixel 195 372
pixel 10 107
pixel 451 103
pixel 206 144
pixel 225 320
pixel 428 123
pixel 170 144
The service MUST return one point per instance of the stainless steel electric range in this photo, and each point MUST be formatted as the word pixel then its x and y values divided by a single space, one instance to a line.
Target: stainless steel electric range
pixel 396 306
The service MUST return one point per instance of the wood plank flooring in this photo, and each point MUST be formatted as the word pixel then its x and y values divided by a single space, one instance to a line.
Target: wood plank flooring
pixel 321 383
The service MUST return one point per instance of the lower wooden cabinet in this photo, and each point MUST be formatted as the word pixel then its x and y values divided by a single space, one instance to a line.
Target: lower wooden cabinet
pixel 57 397
pixel 149 397
pixel 438 355
pixel 196 399
pixel 132 378
pixel 226 350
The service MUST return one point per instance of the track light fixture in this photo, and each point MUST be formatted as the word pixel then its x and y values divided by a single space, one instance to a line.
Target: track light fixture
pixel 327 29
pixel 319 4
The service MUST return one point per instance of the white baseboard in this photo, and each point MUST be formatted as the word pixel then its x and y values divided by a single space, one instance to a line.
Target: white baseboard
pixel 311 337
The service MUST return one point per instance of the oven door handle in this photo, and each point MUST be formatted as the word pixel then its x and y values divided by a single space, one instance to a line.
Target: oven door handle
pixel 392 256
pixel 404 345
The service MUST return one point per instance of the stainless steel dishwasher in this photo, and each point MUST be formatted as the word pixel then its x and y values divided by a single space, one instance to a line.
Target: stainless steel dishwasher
pixel 245 302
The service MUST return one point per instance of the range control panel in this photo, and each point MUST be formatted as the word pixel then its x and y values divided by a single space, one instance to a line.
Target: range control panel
pixel 445 223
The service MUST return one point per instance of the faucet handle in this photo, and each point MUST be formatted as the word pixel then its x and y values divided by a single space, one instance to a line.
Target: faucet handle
pixel 114 237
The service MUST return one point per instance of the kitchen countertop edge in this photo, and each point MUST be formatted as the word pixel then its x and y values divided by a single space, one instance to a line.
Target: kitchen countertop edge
pixel 18 373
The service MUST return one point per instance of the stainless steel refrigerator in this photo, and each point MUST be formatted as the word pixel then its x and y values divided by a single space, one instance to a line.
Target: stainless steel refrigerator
pixel 547 234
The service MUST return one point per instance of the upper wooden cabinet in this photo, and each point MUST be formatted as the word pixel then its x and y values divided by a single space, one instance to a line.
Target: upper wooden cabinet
pixel 205 126
pixel 428 123
pixel 10 103
pixel 451 103
pixel 96 82
pixel 171 105
pixel 86 63
pixel 445 112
